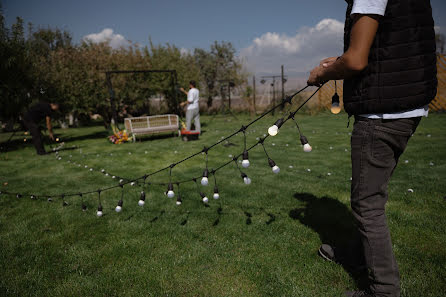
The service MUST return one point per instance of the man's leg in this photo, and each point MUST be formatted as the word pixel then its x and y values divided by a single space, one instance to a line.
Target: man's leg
pixel 37 137
pixel 376 147
pixel 197 120
pixel 189 114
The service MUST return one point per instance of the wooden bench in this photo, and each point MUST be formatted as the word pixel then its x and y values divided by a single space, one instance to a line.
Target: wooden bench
pixel 152 125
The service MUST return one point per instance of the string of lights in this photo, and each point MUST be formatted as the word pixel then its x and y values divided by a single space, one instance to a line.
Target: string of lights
pixel 272 131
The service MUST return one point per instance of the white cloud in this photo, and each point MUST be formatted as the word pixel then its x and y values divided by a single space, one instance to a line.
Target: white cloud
pixel 114 40
pixel 298 53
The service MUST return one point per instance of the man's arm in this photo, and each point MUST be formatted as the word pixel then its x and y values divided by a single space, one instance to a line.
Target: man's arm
pixel 50 127
pixel 355 59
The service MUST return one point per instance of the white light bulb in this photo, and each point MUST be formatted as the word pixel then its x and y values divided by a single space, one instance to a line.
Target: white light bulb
pixel 102 170
pixel 91 169
pixel 118 208
pixel 247 180
pixel 204 181
pixel 99 213
pixel 276 169
pixel 121 180
pixel 245 163
pixel 216 196
pixel 141 202
pixel 205 199
pixel 113 176
pixel 178 202
pixel 307 148
pixel 272 131
pixel 170 194
pixel 132 183
pixel 106 174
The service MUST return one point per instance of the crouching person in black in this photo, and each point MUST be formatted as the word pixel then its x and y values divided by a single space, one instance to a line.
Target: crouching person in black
pixel 34 116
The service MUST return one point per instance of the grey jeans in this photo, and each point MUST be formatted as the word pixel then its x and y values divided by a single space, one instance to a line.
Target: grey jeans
pixel 376 147
pixel 193 114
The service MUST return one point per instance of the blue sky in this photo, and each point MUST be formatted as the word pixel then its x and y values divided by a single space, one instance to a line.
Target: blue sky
pixel 261 31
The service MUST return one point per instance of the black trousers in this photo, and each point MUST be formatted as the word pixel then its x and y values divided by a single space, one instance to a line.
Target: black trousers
pixel 37 137
pixel 376 147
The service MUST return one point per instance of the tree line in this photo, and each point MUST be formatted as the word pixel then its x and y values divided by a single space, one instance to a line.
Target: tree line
pixel 46 65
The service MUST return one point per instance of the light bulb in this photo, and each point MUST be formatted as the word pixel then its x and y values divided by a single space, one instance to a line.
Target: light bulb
pixel 304 142
pixel 142 199
pixel 99 212
pixel 204 180
pixel 179 201
pixel 245 162
pixel 273 130
pixel 132 183
pixel 247 180
pixel 273 166
pixel 119 206
pixel 170 192
pixel 216 194
pixel 204 198
pixel 335 107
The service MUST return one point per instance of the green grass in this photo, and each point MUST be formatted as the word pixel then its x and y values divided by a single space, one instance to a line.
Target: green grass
pixel 257 240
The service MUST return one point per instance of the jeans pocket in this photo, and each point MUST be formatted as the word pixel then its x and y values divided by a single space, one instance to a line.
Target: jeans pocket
pixel 393 130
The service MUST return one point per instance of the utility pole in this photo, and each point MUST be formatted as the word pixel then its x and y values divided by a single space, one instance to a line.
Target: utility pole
pixel 283 88
pixel 273 77
pixel 254 93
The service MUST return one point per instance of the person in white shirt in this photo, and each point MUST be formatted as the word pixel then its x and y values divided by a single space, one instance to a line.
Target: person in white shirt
pixel 193 106
pixel 389 72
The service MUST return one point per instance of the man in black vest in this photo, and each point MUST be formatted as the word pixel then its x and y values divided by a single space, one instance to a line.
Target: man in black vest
pixel 34 116
pixel 389 72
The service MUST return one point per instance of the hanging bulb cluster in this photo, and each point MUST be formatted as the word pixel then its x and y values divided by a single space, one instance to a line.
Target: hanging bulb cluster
pixel 274 129
pixel 335 104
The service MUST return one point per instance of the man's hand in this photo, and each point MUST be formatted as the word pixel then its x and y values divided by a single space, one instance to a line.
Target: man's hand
pixel 315 77
pixel 328 61
pixel 181 89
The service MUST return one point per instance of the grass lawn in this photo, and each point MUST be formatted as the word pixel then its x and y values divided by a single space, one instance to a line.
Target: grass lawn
pixel 256 240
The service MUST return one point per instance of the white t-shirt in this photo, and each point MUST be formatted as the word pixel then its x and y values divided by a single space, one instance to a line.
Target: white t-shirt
pixel 379 7
pixel 193 97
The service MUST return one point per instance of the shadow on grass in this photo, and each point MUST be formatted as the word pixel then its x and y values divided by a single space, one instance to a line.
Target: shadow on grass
pixel 335 224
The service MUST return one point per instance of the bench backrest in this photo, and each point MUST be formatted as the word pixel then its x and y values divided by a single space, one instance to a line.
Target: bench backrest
pixel 167 120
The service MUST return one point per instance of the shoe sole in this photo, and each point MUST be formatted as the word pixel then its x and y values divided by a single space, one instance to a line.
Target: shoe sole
pixel 324 256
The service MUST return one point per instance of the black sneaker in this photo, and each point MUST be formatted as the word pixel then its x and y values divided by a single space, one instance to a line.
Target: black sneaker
pixel 359 294
pixel 346 257
pixel 327 252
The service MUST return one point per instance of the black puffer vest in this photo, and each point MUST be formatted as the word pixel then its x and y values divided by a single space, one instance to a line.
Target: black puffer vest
pixel 401 72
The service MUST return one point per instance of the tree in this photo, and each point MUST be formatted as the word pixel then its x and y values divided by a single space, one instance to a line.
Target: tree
pixel 218 67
